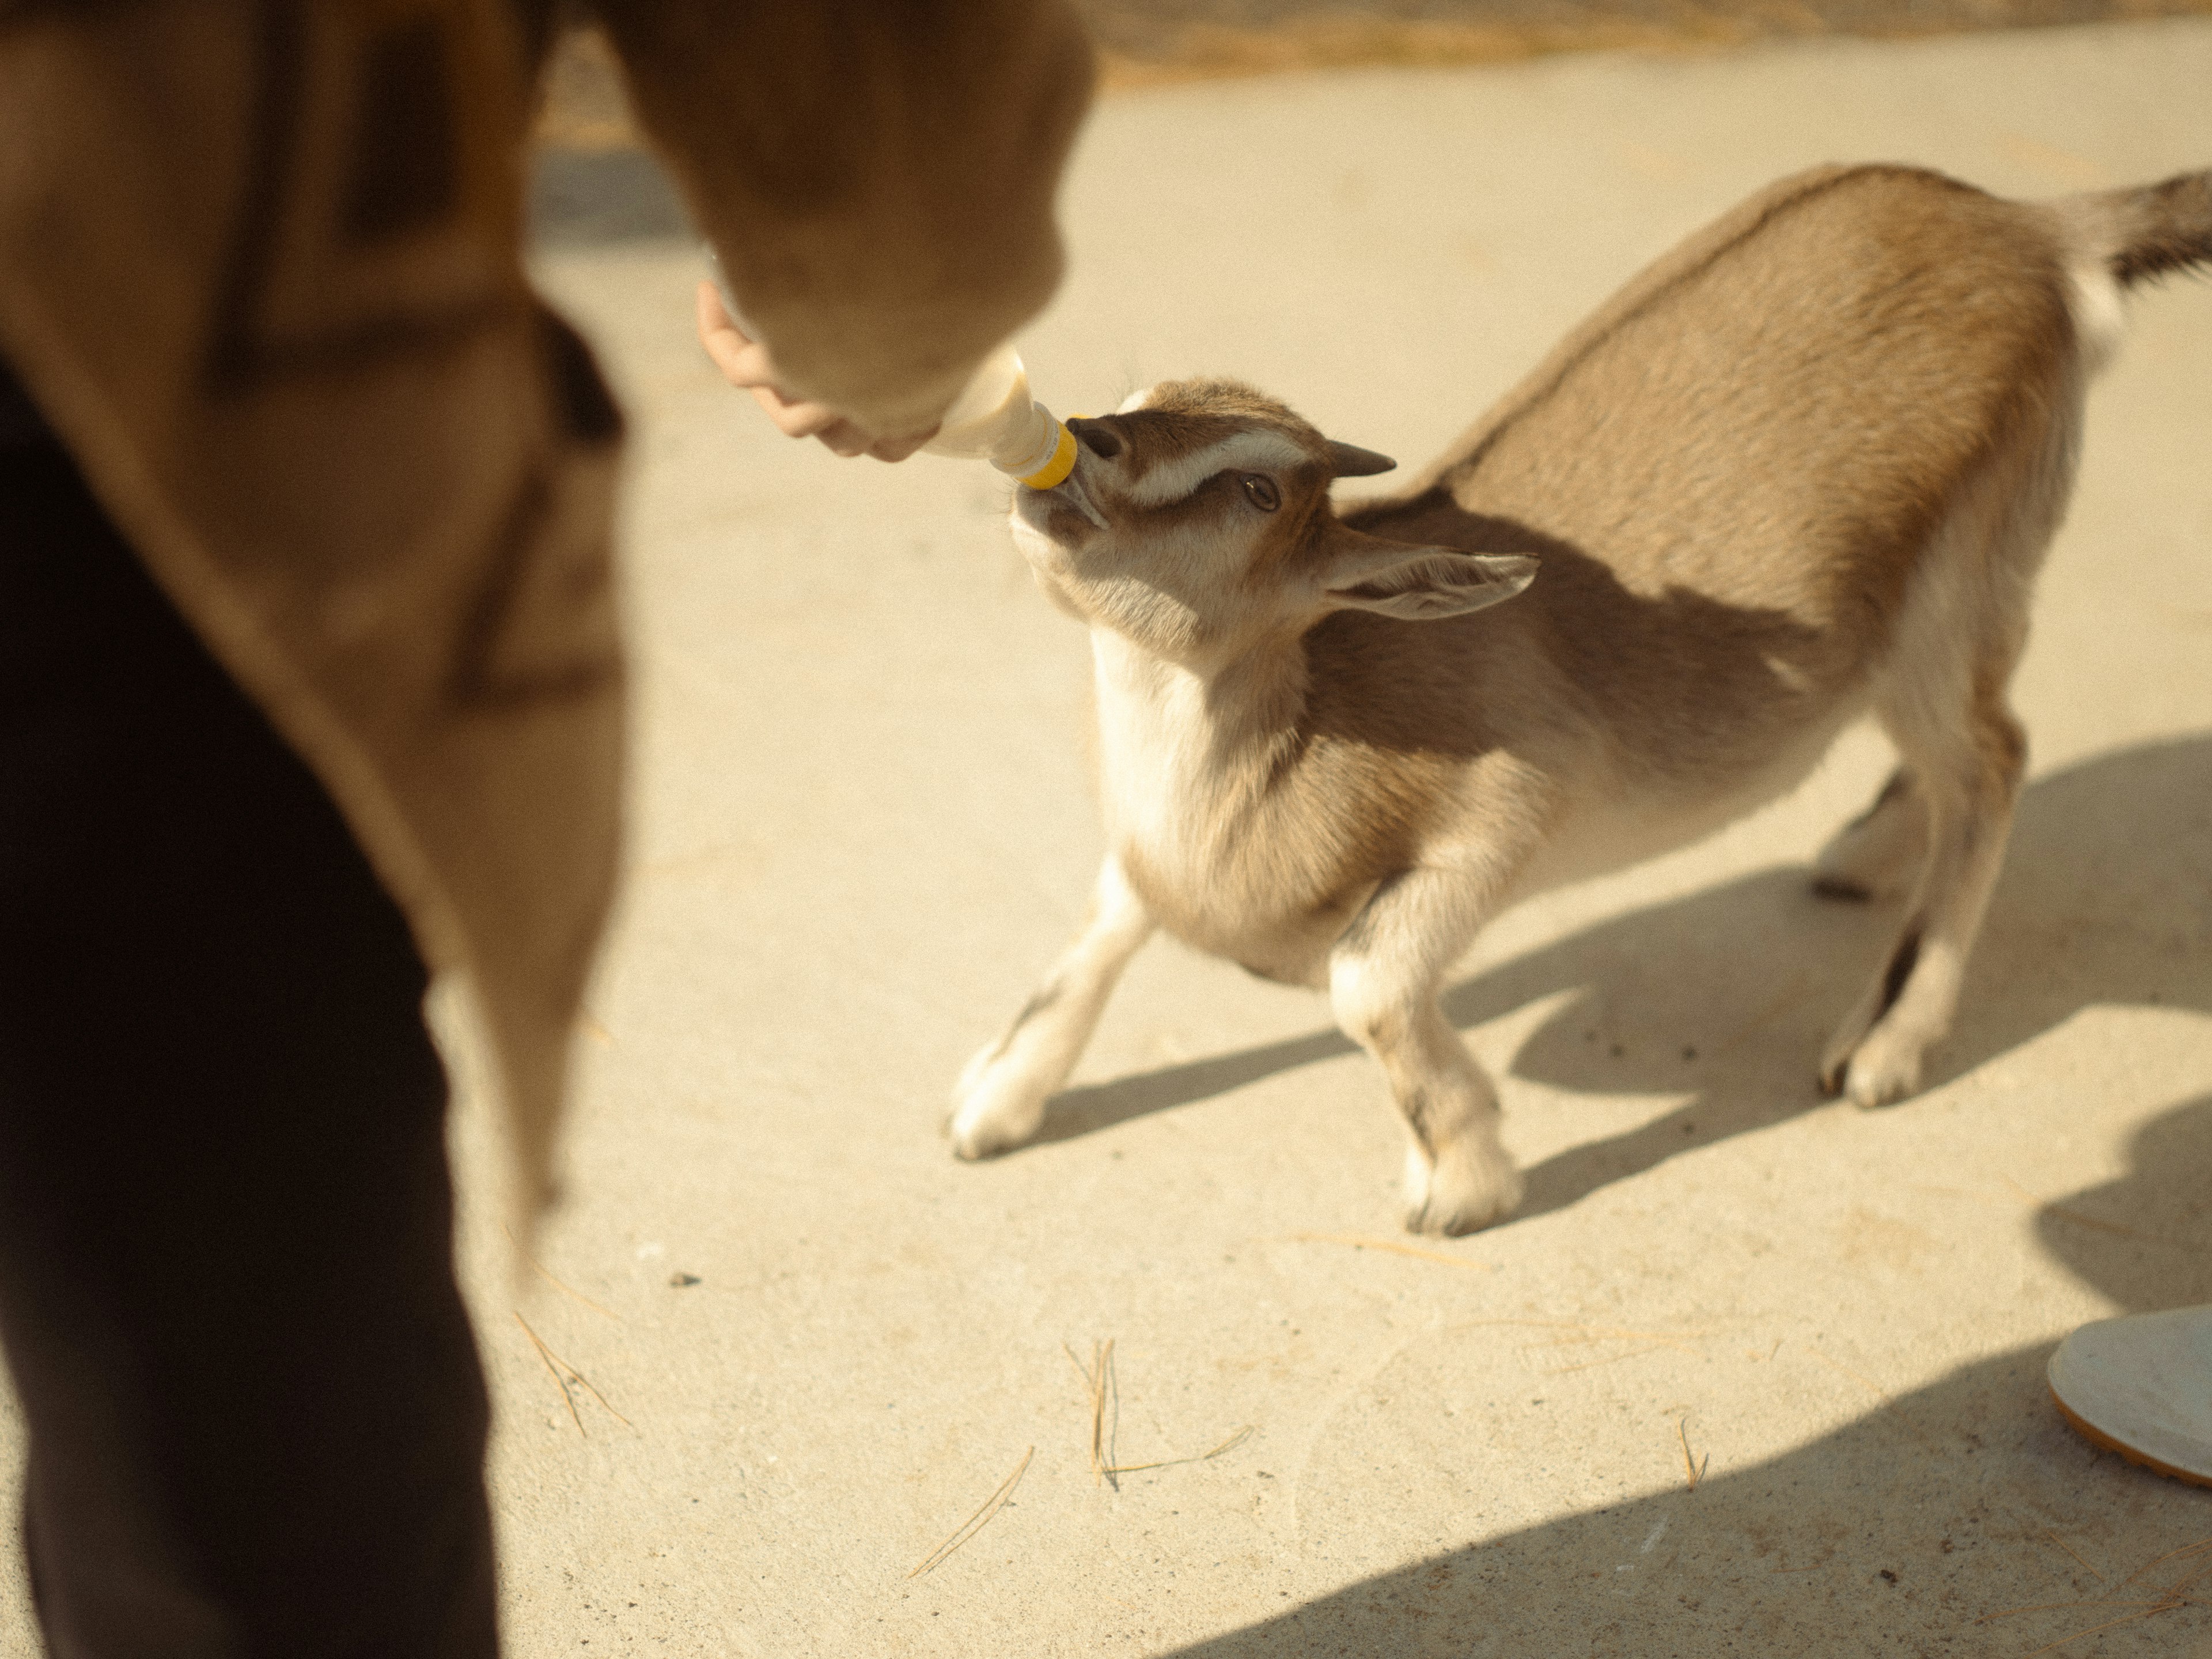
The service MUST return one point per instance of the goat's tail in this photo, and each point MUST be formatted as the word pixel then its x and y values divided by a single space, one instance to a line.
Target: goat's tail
pixel 2154 231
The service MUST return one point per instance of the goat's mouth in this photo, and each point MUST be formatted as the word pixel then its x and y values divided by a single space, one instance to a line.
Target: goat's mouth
pixel 1040 508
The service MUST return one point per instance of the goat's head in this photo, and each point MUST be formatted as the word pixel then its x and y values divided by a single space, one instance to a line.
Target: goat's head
pixel 1197 520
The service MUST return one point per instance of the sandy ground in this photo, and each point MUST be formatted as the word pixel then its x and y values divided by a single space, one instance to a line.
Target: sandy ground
pixel 1754 1374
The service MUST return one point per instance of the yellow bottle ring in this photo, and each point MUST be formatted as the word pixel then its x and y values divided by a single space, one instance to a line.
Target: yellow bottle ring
pixel 1056 470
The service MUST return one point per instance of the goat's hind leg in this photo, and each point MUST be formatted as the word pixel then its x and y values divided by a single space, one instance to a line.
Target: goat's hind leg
pixel 998 1103
pixel 1967 769
pixel 1942 701
pixel 1384 979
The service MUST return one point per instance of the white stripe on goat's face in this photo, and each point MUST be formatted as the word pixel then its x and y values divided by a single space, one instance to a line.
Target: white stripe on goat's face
pixel 1183 511
pixel 1260 451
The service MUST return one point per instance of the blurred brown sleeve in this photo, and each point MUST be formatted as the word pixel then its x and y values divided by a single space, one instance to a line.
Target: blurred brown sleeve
pixel 876 175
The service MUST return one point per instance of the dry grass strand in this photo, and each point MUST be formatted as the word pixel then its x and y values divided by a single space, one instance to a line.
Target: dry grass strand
pixel 2075 1553
pixel 1098 1377
pixel 1234 1441
pixel 564 1374
pixel 545 1354
pixel 976 1522
pixel 1694 1467
pixel 547 1274
pixel 1104 1381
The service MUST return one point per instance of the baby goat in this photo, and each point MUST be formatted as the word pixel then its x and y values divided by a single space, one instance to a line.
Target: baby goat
pixel 1802 468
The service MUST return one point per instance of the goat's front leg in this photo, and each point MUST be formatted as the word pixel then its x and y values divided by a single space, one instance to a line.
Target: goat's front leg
pixel 998 1103
pixel 1384 979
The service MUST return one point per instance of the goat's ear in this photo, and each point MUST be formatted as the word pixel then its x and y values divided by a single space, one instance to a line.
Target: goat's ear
pixel 1422 584
pixel 1351 461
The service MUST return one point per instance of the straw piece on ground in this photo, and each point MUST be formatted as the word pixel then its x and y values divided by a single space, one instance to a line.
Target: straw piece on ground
pixel 2197 1549
pixel 1104 1381
pixel 545 1354
pixel 2175 1597
pixel 2073 1606
pixel 2075 1553
pixel 1234 1441
pixel 976 1522
pixel 1694 1467
pixel 564 1373
pixel 547 1274
pixel 1098 1378
pixel 2062 1607
pixel 2110 1623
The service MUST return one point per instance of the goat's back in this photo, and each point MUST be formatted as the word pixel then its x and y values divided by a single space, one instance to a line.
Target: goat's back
pixel 1731 469
pixel 1776 413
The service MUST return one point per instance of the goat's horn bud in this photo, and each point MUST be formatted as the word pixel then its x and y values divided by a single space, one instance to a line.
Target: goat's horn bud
pixel 1351 461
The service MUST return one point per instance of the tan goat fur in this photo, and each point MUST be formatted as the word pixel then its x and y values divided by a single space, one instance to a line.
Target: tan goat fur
pixel 1800 471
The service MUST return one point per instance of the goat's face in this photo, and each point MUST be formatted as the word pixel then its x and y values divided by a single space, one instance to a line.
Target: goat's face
pixel 1197 520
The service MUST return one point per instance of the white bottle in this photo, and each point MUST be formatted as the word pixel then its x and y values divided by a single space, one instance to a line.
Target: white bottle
pixel 993 419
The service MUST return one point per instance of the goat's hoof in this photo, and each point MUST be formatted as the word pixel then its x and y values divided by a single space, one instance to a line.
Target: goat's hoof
pixel 1875 1080
pixel 1882 1068
pixel 975 1144
pixel 1460 1195
pixel 989 1119
pixel 981 1138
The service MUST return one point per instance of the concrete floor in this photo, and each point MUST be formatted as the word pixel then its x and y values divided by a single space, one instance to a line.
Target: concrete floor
pixel 863 827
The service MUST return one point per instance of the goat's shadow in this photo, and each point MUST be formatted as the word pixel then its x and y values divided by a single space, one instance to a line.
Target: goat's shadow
pixel 1727 994
pixel 1914 1528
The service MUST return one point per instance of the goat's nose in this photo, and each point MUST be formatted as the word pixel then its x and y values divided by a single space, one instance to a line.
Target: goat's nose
pixel 1096 437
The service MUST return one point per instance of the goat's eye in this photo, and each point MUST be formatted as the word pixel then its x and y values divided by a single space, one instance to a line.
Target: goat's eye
pixel 1261 492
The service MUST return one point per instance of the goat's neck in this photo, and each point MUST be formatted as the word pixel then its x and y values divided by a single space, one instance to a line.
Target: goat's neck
pixel 1187 754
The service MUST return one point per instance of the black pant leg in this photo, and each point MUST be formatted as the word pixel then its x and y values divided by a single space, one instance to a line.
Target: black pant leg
pixel 256 1418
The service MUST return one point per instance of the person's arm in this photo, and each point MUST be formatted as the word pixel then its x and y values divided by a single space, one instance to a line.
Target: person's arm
pixel 876 176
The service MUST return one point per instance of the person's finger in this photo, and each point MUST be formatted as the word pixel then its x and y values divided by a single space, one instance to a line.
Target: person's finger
pixel 721 337
pixel 744 362
pixel 843 438
pixel 714 316
pixel 724 351
pixel 795 420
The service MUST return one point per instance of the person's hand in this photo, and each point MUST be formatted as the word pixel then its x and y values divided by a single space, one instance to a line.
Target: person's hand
pixel 745 364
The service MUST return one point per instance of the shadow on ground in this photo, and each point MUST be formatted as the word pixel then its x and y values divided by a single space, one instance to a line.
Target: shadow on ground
pixel 1726 995
pixel 1808 1554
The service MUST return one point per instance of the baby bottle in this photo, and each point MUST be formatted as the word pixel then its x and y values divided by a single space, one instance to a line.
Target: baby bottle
pixel 995 419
